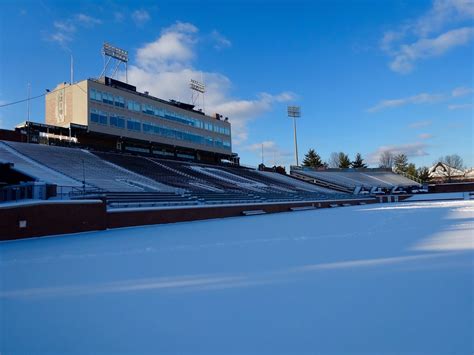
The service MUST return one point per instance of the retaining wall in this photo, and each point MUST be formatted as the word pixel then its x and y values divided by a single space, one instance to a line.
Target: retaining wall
pixel 41 218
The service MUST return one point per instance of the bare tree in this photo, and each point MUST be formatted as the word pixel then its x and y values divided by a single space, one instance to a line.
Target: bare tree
pixel 386 159
pixel 452 163
pixel 333 161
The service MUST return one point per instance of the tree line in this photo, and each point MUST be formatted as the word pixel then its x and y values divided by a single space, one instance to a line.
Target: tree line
pixel 336 160
pixel 398 162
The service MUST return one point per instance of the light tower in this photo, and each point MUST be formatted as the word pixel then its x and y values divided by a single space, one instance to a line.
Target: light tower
pixel 294 112
pixel 116 55
pixel 197 90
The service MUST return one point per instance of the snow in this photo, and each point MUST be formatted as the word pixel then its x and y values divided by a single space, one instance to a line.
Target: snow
pixel 373 279
pixel 438 196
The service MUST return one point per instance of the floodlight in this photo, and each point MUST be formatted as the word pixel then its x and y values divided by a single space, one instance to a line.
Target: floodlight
pixel 115 52
pixel 197 86
pixel 294 111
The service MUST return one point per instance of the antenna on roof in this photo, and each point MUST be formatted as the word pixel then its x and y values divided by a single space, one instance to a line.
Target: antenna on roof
pixel 197 90
pixel 115 55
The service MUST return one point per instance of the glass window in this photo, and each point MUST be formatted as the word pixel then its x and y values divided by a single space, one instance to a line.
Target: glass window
pixel 94 116
pixel 119 101
pixel 133 125
pixel 99 117
pixel 103 118
pixel 117 121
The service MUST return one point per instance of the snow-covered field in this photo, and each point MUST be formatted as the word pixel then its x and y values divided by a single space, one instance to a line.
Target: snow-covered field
pixel 374 279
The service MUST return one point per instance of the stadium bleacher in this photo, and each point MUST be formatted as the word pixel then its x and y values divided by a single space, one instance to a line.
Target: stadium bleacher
pixel 356 180
pixel 126 180
pixel 33 168
pixel 216 183
pixel 81 165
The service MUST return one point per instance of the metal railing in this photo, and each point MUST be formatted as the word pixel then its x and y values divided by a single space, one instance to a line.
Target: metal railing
pixel 16 192
pixel 408 176
pixel 75 192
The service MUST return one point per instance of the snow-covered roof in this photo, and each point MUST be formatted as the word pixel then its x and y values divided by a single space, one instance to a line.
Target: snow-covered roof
pixel 469 173
pixel 441 170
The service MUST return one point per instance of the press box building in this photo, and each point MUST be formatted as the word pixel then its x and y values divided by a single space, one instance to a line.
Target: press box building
pixel 113 114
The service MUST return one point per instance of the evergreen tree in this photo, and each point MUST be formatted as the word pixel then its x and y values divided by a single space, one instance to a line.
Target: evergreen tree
pixel 344 161
pixel 401 162
pixel 358 162
pixel 411 170
pixel 312 159
pixel 423 173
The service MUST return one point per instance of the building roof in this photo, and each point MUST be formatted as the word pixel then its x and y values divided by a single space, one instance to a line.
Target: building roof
pixel 443 170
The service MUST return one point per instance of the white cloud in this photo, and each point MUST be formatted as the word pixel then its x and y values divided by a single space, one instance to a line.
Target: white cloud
pixel 242 112
pixel 425 136
pixel 60 37
pixel 140 17
pixel 420 124
pixel 405 58
pixel 220 41
pixel 64 30
pixel 64 26
pixel 164 68
pixel 461 91
pixel 87 21
pixel 459 106
pixel 423 98
pixel 433 34
pixel 417 149
pixel 174 48
pixel 443 13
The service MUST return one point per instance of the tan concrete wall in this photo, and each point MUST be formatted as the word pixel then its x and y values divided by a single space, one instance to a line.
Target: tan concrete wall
pixel 67 104
pixel 80 96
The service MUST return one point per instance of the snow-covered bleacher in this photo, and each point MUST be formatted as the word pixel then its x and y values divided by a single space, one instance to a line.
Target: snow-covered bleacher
pixel 34 168
pixel 129 180
pixel 67 166
pixel 222 184
pixel 356 180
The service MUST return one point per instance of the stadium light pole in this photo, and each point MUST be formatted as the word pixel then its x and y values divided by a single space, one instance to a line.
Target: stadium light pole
pixel 295 112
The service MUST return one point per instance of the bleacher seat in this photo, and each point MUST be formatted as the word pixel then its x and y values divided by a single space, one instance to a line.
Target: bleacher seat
pixel 358 181
pixel 82 165
pixel 127 180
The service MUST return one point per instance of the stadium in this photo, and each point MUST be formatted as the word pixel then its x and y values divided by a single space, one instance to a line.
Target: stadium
pixel 129 224
pixel 104 140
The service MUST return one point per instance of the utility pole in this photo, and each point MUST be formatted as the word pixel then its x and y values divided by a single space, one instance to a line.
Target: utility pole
pixel 28 89
pixel 72 69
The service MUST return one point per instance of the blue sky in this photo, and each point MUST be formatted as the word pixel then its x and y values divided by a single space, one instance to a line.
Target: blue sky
pixel 369 75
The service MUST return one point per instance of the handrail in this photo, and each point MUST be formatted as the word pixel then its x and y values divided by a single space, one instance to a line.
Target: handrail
pixel 70 192
pixel 408 176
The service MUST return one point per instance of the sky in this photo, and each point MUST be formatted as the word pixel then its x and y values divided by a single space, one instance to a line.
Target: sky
pixel 369 76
